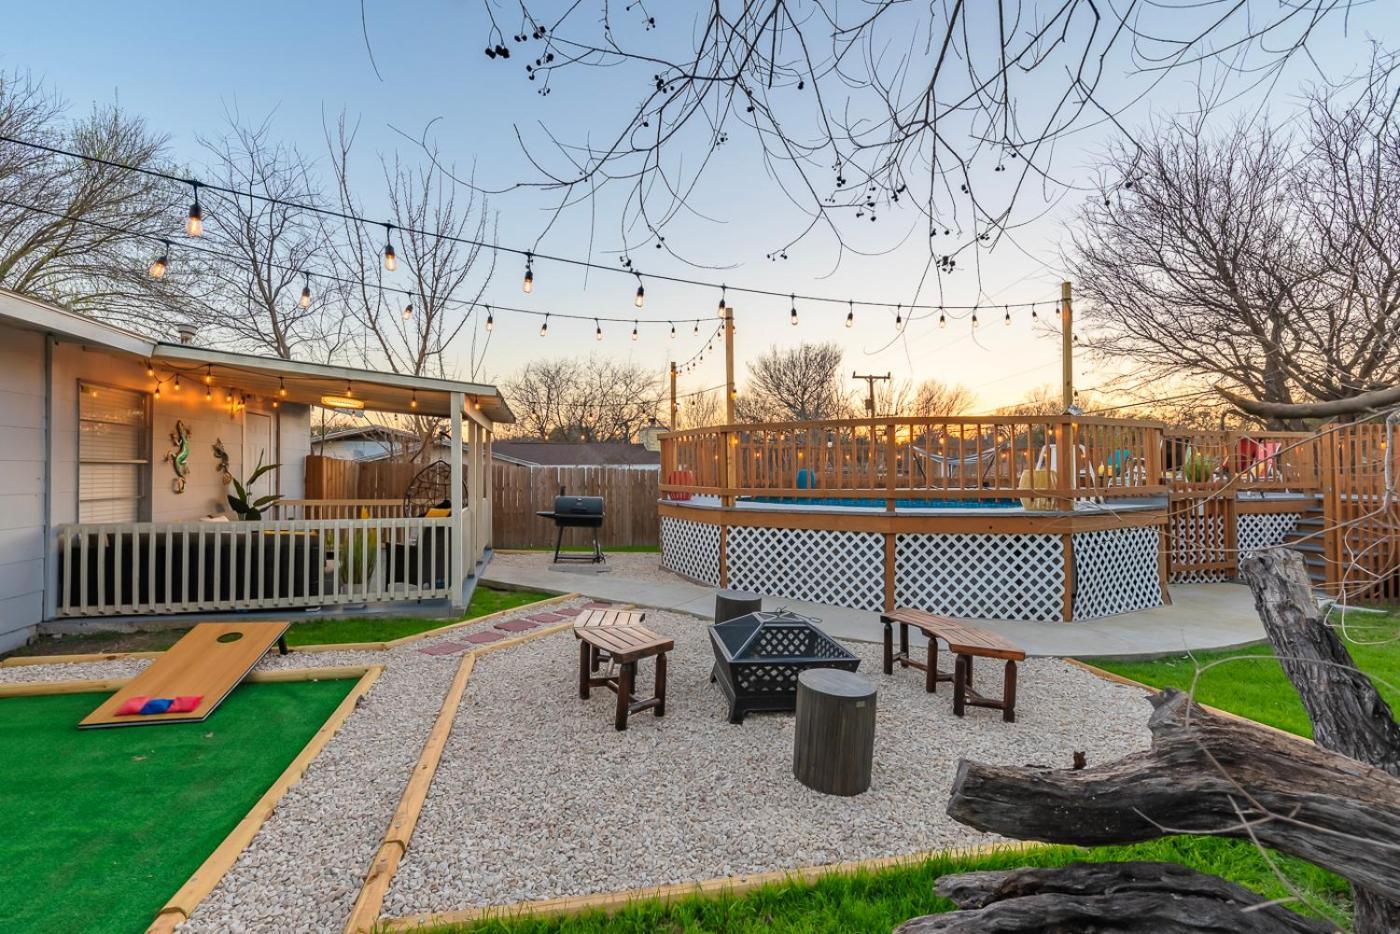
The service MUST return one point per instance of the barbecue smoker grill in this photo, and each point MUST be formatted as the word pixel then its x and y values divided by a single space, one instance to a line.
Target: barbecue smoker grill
pixel 576 512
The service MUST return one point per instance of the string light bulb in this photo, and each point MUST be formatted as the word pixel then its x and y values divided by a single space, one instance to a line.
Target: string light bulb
pixel 490 319
pixel 208 394
pixel 349 390
pixel 634 330
pixel 898 316
pixel 544 328
pixel 720 311
pixel 413 402
pixel 177 382
pixel 162 263
pixel 305 300
pixel 597 330
pixel 640 300
pixel 851 315
pixel 408 309
pixel 150 370
pixel 528 285
pixel 974 317
pixel 194 222
pixel 1007 320
pixel 792 315
pixel 391 262
pixel 1033 314
pixel 208 375
pixel 673 329
pixel 697 328
pixel 942 319
pixel 281 387
pixel 157 393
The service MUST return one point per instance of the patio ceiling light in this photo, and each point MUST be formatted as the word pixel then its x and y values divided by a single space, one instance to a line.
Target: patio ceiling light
pixel 342 402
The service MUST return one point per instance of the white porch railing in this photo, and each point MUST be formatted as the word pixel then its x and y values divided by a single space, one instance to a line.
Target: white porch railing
pixel 132 568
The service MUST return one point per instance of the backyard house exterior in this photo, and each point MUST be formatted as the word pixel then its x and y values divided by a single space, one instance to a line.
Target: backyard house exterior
pixel 109 475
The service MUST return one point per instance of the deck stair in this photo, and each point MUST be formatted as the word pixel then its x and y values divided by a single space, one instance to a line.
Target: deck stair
pixel 1307 539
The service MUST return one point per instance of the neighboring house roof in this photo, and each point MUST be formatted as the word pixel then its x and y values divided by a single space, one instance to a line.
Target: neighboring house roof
pixel 304 382
pixel 574 453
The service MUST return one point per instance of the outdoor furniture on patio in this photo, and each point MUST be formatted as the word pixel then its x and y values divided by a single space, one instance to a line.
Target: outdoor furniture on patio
pixel 605 619
pixel 576 512
pixel 759 656
pixel 624 646
pixel 964 642
pixel 833 744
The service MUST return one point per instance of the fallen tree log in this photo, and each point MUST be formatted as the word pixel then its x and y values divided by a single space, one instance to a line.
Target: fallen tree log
pixel 1154 897
pixel 1203 774
pixel 1347 712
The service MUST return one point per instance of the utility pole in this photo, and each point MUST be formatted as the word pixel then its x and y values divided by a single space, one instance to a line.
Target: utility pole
pixel 673 396
pixel 1066 346
pixel 870 379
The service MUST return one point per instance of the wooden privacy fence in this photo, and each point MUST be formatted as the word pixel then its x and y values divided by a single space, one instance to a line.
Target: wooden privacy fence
pixel 330 478
pixel 518 492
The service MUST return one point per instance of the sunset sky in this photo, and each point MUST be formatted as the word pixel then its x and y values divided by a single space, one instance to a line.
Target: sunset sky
pixel 183 67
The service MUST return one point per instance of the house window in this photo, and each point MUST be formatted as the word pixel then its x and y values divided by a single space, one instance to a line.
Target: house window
pixel 113 454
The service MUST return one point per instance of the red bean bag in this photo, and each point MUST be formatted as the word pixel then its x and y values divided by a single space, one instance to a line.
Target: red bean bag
pixel 133 705
pixel 186 703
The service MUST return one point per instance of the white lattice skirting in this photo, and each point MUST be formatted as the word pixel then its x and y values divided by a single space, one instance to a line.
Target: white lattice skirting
pixel 690 549
pixel 1115 571
pixel 1262 530
pixel 1197 538
pixel 981 576
pixel 840 568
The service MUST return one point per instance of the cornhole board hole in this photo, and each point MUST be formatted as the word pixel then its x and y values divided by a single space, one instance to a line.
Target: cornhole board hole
pixel 209 660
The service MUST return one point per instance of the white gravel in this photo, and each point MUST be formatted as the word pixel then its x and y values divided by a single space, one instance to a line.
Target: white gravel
pixel 304 867
pixel 538 796
pixel 628 565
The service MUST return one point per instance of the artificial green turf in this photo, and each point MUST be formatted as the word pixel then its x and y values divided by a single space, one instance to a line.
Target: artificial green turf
pixel 1250 682
pixel 484 601
pixel 103 826
pixel 876 902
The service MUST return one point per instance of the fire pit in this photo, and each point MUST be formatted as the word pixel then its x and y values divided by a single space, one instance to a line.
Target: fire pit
pixel 758 657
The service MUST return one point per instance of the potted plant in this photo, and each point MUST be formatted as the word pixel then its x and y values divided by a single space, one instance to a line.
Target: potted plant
pixel 1198 468
pixel 251 511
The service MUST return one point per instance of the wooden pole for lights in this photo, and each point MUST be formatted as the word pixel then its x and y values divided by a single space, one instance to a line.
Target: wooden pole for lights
pixel 1067 345
pixel 731 473
pixel 674 410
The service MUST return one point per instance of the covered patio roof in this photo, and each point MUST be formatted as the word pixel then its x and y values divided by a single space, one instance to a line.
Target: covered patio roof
pixel 307 383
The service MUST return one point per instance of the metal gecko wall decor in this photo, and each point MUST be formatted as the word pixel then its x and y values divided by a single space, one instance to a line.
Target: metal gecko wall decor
pixel 221 459
pixel 179 456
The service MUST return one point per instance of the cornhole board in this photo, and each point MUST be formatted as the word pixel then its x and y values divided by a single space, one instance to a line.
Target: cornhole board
pixel 209 660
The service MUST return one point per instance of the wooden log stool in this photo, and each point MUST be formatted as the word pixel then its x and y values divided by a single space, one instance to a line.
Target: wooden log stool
pixel 624 646
pixel 834 740
pixel 605 619
pixel 965 642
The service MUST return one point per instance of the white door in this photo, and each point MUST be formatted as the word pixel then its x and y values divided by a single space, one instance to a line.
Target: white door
pixel 257 448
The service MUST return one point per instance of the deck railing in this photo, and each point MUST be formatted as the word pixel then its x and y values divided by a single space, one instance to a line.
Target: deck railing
pixel 922 459
pixel 340 509
pixel 184 567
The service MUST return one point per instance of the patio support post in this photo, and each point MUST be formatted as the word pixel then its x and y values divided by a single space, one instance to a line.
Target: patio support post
pixel 457 549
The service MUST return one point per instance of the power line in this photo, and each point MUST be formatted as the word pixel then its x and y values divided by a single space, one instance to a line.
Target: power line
pixel 530 256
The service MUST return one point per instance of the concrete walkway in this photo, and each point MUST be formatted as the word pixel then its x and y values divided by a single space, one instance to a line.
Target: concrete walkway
pixel 1202 616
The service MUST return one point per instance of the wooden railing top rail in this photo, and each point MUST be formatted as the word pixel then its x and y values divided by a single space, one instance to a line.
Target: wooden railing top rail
pixel 921 420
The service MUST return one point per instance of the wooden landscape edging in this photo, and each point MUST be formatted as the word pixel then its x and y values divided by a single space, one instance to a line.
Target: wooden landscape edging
pixel 178 908
pixel 725 885
pixel 84 657
pixel 364 916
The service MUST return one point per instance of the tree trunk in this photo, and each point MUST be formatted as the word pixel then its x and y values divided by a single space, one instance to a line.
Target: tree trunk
pixel 1155 898
pixel 1203 774
pixel 1348 715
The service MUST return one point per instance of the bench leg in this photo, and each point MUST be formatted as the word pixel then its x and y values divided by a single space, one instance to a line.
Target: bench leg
pixel 661 685
pixel 1008 696
pixel 962 676
pixel 931 672
pixel 584 654
pixel 903 644
pixel 626 681
pixel 888 658
pixel 593 659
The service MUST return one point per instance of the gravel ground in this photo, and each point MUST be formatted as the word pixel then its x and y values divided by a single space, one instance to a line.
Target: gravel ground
pixel 631 565
pixel 303 870
pixel 537 796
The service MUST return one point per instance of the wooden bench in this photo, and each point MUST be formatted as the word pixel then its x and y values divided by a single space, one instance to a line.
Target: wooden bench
pixel 965 642
pixel 624 645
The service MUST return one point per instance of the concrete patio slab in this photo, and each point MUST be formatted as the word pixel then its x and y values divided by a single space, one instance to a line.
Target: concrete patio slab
pixel 1201 616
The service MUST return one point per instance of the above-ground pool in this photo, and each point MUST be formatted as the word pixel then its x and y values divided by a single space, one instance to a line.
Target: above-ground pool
pixel 880 503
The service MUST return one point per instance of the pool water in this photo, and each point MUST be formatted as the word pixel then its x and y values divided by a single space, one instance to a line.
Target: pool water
pixel 880 503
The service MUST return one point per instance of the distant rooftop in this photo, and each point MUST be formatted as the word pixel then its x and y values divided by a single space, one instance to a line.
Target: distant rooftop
pixel 575 453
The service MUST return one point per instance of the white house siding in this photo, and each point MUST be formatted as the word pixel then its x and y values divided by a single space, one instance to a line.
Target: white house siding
pixel 21 485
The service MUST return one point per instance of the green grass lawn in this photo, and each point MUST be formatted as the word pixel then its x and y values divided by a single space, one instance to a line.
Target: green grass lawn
pixel 102 826
pixel 382 629
pixel 315 631
pixel 1250 682
pixel 875 902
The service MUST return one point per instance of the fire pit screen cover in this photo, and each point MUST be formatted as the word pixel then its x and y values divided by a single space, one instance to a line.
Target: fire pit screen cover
pixel 758 657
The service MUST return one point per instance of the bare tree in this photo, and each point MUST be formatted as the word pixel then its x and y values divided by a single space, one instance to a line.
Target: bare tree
pixel 935 398
pixel 702 409
pixel 63 221
pixel 571 399
pixel 1267 263
pixel 953 109
pixel 801 383
pixel 258 300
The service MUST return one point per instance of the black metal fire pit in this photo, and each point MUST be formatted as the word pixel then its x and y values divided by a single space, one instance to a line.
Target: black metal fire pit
pixel 576 512
pixel 758 657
